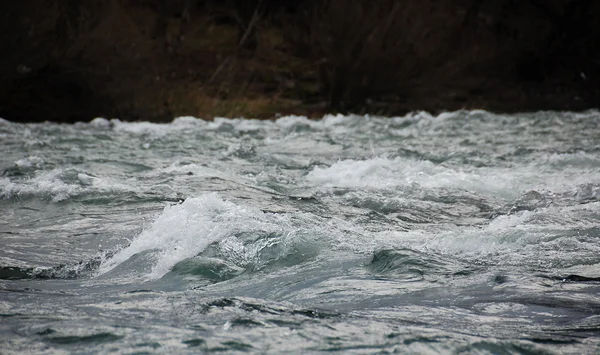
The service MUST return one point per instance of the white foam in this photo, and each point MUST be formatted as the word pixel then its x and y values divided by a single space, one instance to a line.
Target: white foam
pixel 286 124
pixel 8 188
pixel 183 231
pixel 240 125
pixel 179 124
pixel 339 119
pixel 61 184
pixel 426 118
pixel 533 238
pixel 139 128
pixel 48 182
pixel 85 179
pixel 388 173
pixel 593 113
pixel 336 123
pixel 292 121
pixel 570 160
pixel 509 183
pixel 100 122
pixel 187 121
pixel 29 162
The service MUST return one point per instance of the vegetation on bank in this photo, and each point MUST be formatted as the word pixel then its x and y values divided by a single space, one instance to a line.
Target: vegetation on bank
pixel 70 60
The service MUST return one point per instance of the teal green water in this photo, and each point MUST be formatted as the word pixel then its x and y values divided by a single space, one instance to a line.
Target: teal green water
pixel 467 232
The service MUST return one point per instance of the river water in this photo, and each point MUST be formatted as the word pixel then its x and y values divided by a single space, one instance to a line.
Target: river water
pixel 467 232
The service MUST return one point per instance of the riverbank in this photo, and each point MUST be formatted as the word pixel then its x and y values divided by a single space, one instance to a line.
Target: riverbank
pixel 153 60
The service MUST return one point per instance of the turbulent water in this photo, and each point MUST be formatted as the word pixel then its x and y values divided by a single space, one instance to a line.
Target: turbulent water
pixel 467 232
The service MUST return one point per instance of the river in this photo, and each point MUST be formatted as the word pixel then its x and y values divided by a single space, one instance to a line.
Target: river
pixel 465 232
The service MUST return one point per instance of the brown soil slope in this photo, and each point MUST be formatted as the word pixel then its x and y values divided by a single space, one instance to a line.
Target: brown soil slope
pixel 70 60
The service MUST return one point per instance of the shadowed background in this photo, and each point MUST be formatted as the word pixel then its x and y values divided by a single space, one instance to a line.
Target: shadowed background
pixel 72 60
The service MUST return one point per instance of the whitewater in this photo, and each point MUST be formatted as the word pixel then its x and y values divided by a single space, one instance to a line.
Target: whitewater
pixel 464 232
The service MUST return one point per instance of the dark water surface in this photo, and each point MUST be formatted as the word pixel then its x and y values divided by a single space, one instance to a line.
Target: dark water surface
pixel 463 233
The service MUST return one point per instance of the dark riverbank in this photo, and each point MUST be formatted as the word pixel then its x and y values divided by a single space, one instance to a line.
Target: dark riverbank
pixel 154 59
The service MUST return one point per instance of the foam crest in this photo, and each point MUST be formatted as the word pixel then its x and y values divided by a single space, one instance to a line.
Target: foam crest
pixel 156 129
pixel 239 125
pixel 572 160
pixel 61 184
pixel 184 230
pixel 286 124
pixel 148 128
pixel 100 122
pixel 338 123
pixel 30 162
pixel 54 183
pixel 376 172
pixel 296 122
pixel 540 238
pixel 506 183
pixel 389 173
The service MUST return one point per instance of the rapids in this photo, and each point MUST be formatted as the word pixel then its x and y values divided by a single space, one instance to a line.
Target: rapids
pixel 466 232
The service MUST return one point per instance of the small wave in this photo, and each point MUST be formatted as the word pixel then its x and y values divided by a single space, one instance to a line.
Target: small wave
pixel 58 183
pixel 208 226
pixel 212 269
pixel 62 184
pixel 547 238
pixel 386 173
pixel 261 307
pixel 572 160
pixel 98 338
pixel 381 173
pixel 79 269
pixel 156 129
pixel 409 265
pixel 30 162
pixel 287 124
